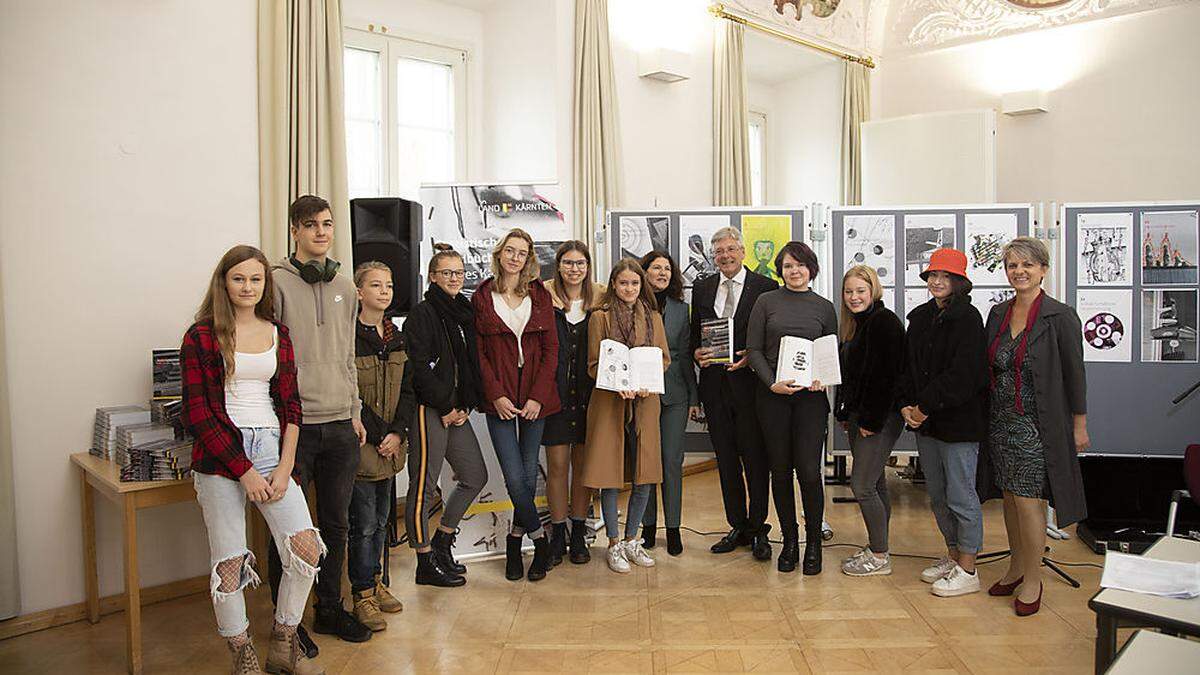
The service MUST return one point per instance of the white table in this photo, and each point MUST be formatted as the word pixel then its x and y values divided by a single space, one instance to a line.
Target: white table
pixel 1115 608
pixel 1150 652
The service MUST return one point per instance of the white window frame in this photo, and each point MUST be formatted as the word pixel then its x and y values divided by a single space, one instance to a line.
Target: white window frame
pixel 757 118
pixel 394 47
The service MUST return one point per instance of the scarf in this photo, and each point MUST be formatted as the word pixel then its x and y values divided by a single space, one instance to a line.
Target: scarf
pixel 1034 309
pixel 624 322
pixel 458 317
pixel 660 297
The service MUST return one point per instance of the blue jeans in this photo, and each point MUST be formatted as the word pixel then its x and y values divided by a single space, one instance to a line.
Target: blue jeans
pixel 517 443
pixel 950 480
pixel 370 506
pixel 639 496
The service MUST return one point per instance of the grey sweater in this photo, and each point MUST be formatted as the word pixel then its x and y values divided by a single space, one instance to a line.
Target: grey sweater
pixel 784 312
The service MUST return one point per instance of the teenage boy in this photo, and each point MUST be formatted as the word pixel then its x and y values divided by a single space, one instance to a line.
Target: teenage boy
pixel 318 306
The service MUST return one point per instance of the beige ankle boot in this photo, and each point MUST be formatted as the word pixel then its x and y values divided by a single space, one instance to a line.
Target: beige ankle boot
pixel 386 601
pixel 245 660
pixel 288 658
pixel 366 610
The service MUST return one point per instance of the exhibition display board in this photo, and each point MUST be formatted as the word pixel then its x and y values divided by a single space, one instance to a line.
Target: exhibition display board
pixel 898 240
pixel 1131 274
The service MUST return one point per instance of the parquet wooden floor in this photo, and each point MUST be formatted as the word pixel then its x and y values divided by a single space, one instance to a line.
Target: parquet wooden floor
pixel 695 613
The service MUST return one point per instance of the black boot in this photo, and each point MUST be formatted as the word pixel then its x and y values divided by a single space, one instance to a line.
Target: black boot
pixel 307 645
pixel 541 558
pixel 649 536
pixel 443 545
pixel 337 621
pixel 812 553
pixel 674 541
pixel 431 573
pixel 514 567
pixel 736 537
pixel 558 543
pixel 580 554
pixel 790 555
pixel 759 544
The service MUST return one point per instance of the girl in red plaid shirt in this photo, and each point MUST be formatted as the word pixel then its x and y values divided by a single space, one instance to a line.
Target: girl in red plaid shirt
pixel 241 404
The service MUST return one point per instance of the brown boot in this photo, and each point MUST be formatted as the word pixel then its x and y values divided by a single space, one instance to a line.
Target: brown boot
pixel 366 610
pixel 245 660
pixel 387 602
pixel 288 658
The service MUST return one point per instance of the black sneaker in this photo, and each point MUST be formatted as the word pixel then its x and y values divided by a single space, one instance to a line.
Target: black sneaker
pixel 339 622
pixel 306 643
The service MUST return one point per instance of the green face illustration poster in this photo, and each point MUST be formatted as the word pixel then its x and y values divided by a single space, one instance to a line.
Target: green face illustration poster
pixel 765 236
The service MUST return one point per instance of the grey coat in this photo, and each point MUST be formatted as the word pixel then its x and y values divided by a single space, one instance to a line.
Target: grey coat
pixel 680 378
pixel 1055 356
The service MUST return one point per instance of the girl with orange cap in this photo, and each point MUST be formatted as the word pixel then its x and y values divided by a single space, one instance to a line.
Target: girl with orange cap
pixel 943 392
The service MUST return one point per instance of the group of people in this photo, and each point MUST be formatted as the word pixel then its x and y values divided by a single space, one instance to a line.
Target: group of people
pixel 293 374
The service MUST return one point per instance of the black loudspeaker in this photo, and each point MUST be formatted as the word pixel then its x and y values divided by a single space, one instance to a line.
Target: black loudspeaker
pixel 387 229
pixel 1128 497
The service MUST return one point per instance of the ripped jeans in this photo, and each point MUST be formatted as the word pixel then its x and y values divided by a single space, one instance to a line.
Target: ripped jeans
pixel 223 502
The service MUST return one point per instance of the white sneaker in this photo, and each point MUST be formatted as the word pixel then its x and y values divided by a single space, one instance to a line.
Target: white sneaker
pixel 616 558
pixel 957 582
pixel 636 554
pixel 938 570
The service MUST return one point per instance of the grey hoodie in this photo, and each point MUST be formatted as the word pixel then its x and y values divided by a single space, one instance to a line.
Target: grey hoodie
pixel 321 320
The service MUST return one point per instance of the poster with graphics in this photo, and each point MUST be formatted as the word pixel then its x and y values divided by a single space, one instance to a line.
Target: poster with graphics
pixel 1107 318
pixel 473 219
pixel 986 234
pixel 764 236
pixel 1105 245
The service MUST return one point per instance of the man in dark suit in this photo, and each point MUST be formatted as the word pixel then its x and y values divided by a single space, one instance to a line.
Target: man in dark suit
pixel 727 394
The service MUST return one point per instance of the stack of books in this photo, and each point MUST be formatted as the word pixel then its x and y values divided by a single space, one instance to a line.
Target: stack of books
pixel 167 411
pixel 108 420
pixel 163 459
pixel 136 435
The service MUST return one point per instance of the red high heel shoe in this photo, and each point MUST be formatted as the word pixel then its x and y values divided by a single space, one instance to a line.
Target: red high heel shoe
pixel 1026 609
pixel 999 589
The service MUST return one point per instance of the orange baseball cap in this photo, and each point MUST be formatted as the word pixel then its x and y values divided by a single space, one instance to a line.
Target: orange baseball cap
pixel 949 260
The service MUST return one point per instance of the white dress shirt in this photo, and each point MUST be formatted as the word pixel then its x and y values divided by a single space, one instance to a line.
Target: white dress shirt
pixel 515 318
pixel 739 283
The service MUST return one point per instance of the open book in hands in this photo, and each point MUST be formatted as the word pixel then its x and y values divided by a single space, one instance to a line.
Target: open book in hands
pixel 625 369
pixel 807 361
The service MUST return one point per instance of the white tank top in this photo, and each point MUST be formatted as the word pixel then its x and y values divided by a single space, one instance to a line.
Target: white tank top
pixel 248 392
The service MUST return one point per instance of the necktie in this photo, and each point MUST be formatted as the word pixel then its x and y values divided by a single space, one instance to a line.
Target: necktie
pixel 727 310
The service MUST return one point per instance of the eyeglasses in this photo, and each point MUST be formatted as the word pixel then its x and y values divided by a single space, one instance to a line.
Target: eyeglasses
pixel 573 263
pixel 515 253
pixel 451 274
pixel 726 250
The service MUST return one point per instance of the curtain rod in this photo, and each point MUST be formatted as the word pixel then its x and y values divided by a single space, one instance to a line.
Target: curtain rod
pixel 718 10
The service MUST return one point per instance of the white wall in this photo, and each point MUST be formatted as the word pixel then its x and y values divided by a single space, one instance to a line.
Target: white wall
pixel 1123 102
pixel 440 24
pixel 130 164
pixel 808 137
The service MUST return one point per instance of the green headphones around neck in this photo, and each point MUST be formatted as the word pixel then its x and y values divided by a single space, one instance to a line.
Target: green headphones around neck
pixel 313 271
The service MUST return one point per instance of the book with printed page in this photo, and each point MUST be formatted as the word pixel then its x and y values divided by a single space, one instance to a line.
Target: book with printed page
pixel 807 361
pixel 625 369
pixel 716 335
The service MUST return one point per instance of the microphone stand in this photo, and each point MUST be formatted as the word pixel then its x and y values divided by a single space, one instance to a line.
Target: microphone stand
pixel 1178 399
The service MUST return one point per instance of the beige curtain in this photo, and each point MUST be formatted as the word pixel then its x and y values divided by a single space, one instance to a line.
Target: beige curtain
pixel 301 125
pixel 731 139
pixel 856 109
pixel 10 593
pixel 597 139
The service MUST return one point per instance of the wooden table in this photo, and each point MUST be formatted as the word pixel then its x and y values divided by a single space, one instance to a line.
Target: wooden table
pixel 1116 608
pixel 1150 652
pixel 104 477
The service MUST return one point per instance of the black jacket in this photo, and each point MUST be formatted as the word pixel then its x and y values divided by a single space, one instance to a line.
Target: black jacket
pixel 872 361
pixel 946 371
pixel 435 380
pixel 704 294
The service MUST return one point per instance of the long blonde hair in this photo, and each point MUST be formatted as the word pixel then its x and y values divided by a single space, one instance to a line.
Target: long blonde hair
pixel 527 274
pixel 217 309
pixel 846 323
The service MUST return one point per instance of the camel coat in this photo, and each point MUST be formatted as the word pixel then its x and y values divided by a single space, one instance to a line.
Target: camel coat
pixel 605 464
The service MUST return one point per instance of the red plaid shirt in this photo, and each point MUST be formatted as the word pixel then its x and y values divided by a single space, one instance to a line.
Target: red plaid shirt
pixel 218 447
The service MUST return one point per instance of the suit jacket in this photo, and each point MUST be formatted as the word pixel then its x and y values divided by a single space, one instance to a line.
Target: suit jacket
pixel 704 294
pixel 680 378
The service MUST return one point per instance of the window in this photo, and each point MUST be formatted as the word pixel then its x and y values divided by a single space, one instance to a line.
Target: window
pixel 405 114
pixel 758 152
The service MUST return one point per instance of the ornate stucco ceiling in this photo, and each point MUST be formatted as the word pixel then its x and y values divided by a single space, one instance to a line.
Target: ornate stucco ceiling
pixel 883 27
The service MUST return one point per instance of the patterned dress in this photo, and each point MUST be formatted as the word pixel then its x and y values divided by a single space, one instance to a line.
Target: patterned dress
pixel 1016 445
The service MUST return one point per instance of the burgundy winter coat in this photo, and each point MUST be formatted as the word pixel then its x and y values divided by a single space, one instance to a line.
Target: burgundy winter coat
pixel 498 352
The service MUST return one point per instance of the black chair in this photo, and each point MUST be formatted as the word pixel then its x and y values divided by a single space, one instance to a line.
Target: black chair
pixel 1191 478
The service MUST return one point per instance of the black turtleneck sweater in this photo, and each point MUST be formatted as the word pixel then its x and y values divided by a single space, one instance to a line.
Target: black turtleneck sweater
pixel 872 360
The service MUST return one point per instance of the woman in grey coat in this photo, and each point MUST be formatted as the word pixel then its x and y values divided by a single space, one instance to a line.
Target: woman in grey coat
pixel 680 399
pixel 1037 417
